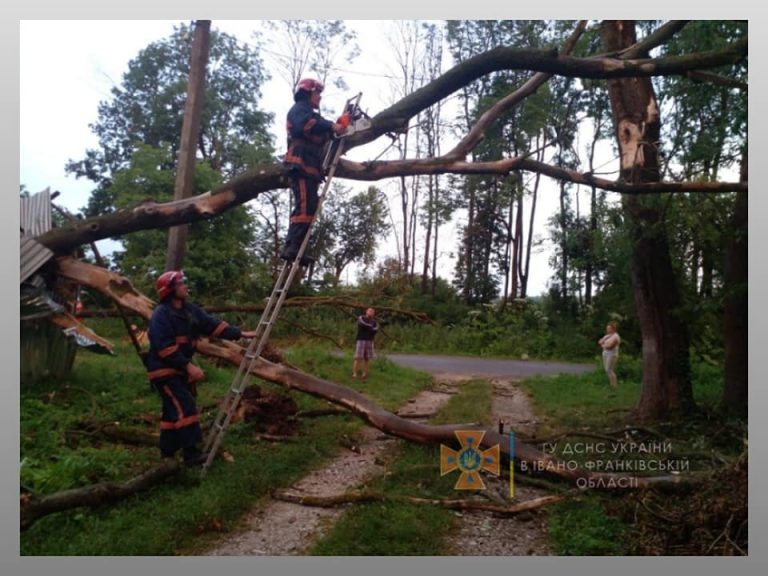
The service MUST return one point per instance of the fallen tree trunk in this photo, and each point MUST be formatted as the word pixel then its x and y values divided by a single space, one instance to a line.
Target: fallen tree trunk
pixel 292 302
pixel 72 325
pixel 34 507
pixel 526 456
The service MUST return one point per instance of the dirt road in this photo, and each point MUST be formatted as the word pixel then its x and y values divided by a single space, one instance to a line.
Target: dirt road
pixel 487 367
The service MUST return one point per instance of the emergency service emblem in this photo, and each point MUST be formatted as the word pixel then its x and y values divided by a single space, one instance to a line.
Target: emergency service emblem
pixel 469 460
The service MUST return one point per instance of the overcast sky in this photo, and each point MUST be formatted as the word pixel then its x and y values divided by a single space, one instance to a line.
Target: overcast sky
pixel 68 67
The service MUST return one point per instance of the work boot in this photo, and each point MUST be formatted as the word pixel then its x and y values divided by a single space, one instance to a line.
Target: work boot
pixel 306 261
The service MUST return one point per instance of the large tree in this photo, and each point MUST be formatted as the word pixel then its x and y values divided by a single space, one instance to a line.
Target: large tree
pixel 637 124
pixel 140 129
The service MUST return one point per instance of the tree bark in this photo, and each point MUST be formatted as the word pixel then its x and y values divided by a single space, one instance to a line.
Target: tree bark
pixel 150 215
pixel 465 505
pixel 666 386
pixel 185 171
pixel 34 508
pixel 373 414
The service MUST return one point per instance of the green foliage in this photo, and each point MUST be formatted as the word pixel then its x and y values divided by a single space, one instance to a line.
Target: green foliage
pixel 550 116
pixel 349 230
pixel 518 330
pixel 705 130
pixel 388 384
pixel 583 528
pixel 570 401
pixel 180 515
pixel 473 403
pixel 598 524
pixel 387 529
pixel 148 108
pixel 139 131
pixel 709 380
pixel 219 265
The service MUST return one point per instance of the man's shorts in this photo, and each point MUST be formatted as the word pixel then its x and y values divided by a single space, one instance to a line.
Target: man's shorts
pixel 364 350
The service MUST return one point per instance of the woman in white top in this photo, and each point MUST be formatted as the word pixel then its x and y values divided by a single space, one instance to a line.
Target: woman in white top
pixel 610 344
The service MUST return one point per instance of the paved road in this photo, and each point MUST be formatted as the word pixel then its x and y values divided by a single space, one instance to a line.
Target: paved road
pixel 487 367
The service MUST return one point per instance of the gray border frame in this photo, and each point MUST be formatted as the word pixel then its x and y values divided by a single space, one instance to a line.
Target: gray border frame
pixel 11 563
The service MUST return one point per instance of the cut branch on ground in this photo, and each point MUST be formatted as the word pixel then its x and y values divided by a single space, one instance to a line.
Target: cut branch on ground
pixel 463 505
pixel 35 507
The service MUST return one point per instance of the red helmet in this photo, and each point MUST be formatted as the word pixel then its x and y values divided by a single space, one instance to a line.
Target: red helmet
pixel 167 282
pixel 308 85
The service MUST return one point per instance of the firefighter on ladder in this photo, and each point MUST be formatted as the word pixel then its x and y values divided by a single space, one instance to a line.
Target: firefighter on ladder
pixel 174 328
pixel 308 133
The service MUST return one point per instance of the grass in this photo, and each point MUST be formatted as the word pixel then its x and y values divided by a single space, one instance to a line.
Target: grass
pixel 183 514
pixel 581 400
pixel 180 515
pixel 581 527
pixel 397 528
pixel 598 523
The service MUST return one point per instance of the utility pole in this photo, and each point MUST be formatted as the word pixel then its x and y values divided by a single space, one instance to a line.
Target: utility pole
pixel 185 170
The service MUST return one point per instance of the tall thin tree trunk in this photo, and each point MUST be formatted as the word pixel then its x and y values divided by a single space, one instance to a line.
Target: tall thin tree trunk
pixel 589 269
pixel 666 386
pixel 431 215
pixel 529 241
pixel 735 325
pixel 519 244
pixel 563 243
pixel 434 255
pixel 185 170
pixel 469 244
pixel 508 242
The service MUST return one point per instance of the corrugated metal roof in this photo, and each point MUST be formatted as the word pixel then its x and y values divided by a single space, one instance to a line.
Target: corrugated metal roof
pixel 35 220
pixel 32 256
pixel 36 213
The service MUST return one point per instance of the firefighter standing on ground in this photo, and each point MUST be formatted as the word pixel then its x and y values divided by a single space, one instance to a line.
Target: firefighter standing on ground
pixel 174 328
pixel 308 133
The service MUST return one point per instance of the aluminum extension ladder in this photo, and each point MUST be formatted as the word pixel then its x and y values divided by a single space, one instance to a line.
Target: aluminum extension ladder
pixel 279 292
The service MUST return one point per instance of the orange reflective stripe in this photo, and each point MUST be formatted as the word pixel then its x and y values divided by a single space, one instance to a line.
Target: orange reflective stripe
pixel 176 403
pixel 180 423
pixel 303 194
pixel 168 351
pixel 299 161
pixel 182 339
pixel 163 372
pixel 302 219
pixel 220 328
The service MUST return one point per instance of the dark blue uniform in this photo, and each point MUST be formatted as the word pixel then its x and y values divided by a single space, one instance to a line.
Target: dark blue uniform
pixel 308 133
pixel 173 334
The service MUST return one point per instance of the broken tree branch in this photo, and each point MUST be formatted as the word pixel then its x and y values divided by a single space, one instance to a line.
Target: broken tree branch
pixel 463 505
pixel 35 507
pixel 390 423
pixel 477 132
